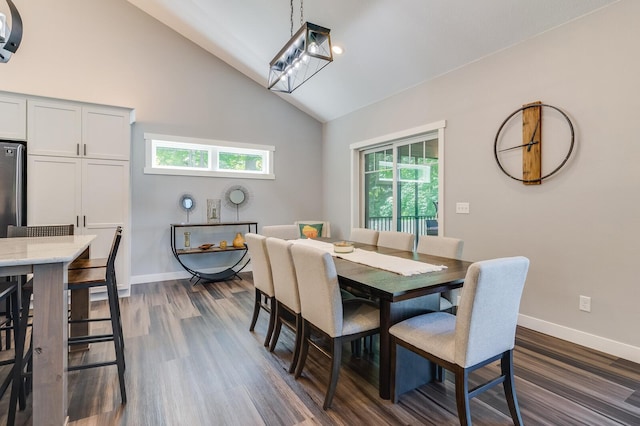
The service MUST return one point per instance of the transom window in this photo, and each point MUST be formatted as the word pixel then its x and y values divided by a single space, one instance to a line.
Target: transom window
pixel 201 157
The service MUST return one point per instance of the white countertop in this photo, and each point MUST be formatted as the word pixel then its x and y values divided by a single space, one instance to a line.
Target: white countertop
pixel 38 250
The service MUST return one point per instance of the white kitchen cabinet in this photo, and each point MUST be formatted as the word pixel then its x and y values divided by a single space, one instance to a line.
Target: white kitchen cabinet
pixel 70 129
pixel 13 117
pixel 93 194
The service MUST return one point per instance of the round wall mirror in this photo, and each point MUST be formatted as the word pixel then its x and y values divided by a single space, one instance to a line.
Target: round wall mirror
pixel 236 196
pixel 187 203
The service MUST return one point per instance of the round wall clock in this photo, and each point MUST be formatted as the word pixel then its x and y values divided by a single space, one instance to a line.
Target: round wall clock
pixel 518 148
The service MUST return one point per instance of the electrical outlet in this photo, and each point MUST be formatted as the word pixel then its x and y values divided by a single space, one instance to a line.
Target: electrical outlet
pixel 462 208
pixel 585 303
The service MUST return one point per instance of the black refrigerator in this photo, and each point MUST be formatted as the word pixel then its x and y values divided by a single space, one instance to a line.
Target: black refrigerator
pixel 13 189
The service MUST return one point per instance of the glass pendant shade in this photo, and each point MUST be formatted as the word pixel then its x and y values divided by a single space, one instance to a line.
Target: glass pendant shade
pixel 308 51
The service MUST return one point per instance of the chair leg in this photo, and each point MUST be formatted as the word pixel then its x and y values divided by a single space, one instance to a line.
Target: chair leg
pixel 20 312
pixel 297 344
pixel 336 360
pixel 506 366
pixel 462 396
pixel 276 332
pixel 9 321
pixel 117 341
pixel 304 348
pixel 256 310
pixel 272 320
pixel 438 373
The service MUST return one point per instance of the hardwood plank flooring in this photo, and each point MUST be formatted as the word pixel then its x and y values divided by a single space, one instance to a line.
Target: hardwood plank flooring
pixel 192 361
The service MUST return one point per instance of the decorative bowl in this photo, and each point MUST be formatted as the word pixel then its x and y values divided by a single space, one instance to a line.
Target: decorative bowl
pixel 343 247
pixel 205 246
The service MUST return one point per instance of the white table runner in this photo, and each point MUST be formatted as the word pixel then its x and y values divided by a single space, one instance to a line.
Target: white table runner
pixel 387 262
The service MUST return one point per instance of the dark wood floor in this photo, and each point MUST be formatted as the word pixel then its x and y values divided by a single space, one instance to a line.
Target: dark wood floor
pixel 192 361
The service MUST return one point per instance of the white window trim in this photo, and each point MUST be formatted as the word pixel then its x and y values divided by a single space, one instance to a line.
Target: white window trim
pixel 356 167
pixel 195 143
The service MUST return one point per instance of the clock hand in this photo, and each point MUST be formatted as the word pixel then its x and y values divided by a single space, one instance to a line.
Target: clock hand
pixel 520 146
pixel 533 135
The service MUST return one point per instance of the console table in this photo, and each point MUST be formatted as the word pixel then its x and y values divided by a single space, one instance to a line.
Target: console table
pixel 225 274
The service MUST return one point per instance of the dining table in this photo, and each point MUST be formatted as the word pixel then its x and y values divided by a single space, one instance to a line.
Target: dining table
pixel 47 258
pixel 401 297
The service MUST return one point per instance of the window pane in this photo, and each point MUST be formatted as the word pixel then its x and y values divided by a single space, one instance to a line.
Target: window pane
pixel 182 157
pixel 244 162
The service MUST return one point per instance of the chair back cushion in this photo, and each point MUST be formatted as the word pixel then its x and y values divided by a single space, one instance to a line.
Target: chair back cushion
pixel 364 236
pixel 320 300
pixel 285 283
pixel 262 279
pixel 488 312
pixel 440 246
pixel 396 240
pixel 285 232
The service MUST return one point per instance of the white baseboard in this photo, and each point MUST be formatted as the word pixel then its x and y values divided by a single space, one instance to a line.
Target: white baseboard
pixel 602 344
pixel 141 279
pixel 178 275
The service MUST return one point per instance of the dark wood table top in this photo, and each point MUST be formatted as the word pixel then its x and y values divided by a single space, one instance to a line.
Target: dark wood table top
pixel 395 287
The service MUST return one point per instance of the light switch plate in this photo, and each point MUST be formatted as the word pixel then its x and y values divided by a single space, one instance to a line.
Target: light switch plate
pixel 462 208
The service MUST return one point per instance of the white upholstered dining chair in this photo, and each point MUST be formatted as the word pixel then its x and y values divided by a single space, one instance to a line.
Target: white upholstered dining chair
pixel 396 240
pixel 324 312
pixel 482 332
pixel 262 281
pixel 364 236
pixel 285 232
pixel 443 247
pixel 285 284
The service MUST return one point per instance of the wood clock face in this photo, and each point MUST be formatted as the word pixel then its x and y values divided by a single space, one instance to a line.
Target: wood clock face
pixel 519 141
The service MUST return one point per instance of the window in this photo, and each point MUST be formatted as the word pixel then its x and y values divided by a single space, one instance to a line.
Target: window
pixel 398 181
pixel 173 155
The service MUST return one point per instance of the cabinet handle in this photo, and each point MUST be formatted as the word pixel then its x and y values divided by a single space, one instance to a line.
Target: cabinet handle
pixel 77 221
pixel 78 149
pixel 84 220
pixel 85 149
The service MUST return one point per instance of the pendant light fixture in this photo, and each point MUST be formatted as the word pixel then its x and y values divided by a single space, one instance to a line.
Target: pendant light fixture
pixel 306 53
pixel 10 38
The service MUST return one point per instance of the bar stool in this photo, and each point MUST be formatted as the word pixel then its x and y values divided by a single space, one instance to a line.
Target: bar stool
pixel 102 277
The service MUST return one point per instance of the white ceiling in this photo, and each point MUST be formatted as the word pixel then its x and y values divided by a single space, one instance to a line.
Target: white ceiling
pixel 390 45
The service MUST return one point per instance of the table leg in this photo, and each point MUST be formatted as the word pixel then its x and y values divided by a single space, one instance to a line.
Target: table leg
pixel 50 344
pixel 412 370
pixel 385 350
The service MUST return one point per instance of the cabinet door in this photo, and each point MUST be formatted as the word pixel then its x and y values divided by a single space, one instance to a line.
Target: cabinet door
pixel 105 206
pixel 53 190
pixel 106 133
pixel 13 118
pixel 54 128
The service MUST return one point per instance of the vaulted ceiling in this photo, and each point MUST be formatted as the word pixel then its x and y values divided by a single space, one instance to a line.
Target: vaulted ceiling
pixel 389 45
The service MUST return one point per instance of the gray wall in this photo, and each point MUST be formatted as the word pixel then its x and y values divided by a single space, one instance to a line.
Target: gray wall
pixel 580 228
pixel 109 52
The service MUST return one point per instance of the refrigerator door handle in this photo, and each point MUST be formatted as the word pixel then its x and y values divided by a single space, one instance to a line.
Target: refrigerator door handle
pixel 19 184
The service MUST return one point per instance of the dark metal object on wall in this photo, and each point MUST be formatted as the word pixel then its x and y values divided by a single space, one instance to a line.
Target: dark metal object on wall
pixel 14 37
